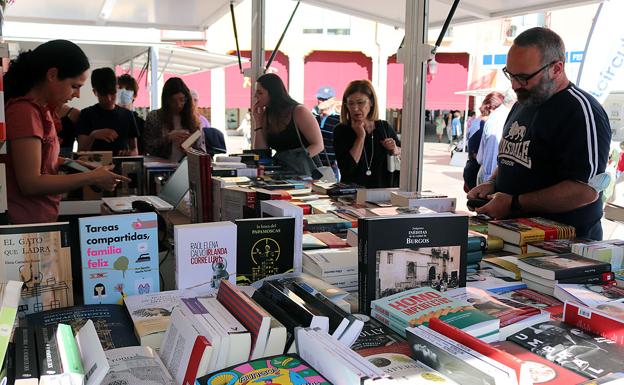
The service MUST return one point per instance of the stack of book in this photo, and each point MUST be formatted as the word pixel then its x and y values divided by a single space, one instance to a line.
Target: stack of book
pixel 543 272
pixel 477 245
pixel 514 316
pixel 611 251
pixel 338 267
pixel 415 307
pixel 518 232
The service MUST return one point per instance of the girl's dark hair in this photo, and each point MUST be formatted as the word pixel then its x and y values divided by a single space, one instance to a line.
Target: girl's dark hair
pixel 280 103
pixel 188 118
pixel 30 67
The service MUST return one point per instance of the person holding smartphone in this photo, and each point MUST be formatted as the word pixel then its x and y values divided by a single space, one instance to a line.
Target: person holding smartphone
pixel 554 146
pixel 36 83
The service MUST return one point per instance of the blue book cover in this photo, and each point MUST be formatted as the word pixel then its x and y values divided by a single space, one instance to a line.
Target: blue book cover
pixel 119 255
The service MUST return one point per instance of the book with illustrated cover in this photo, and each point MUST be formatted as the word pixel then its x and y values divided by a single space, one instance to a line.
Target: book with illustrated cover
pixel 150 314
pixel 587 354
pixel 289 369
pixel 119 256
pixel 420 251
pixel 451 361
pixel 264 247
pixel 113 326
pixel 542 371
pixel 416 307
pixel 536 299
pixel 555 246
pixel 513 315
pixel 588 294
pixel 205 252
pixel 136 365
pixel 402 367
pixel 606 319
pixel 562 266
pixel 520 231
pixel 39 255
pixel 490 280
pixel 376 338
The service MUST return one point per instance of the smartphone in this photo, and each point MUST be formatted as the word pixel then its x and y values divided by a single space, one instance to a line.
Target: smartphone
pixel 76 166
pixel 477 202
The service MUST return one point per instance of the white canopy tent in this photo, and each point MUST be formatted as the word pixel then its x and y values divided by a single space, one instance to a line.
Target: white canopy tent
pixel 416 16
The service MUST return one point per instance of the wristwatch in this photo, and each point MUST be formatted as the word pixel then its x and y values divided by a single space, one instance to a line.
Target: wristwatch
pixel 515 203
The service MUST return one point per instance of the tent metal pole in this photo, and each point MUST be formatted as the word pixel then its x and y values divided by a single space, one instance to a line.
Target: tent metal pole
pixel 257 50
pixel 153 63
pixel 414 55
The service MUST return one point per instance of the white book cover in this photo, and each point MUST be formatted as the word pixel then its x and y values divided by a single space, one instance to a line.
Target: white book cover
pixel 331 262
pixel 93 358
pixel 150 314
pixel 205 251
pixel 281 208
pixel 177 346
pixel 136 365
pixel 436 202
pixel 238 336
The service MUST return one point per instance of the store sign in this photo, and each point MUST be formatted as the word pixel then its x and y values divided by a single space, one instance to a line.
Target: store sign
pixel 604 60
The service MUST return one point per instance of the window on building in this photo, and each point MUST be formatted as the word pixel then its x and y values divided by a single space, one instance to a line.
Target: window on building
pixel 322 21
pixel 390 258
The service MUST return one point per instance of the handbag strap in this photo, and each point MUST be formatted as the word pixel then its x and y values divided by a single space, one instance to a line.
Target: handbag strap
pixel 301 141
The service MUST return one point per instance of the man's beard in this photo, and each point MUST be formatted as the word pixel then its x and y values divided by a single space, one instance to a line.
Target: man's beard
pixel 538 94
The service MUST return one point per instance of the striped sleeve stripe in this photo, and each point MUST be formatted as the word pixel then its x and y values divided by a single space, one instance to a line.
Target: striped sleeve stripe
pixel 590 124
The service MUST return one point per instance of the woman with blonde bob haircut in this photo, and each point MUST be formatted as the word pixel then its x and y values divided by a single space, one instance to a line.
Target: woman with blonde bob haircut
pixel 362 141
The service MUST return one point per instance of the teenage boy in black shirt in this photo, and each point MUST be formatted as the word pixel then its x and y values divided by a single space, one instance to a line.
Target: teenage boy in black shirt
pixel 106 126
pixel 555 143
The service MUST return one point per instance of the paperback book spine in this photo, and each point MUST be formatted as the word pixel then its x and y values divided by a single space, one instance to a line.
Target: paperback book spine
pixel 26 354
pixel 48 353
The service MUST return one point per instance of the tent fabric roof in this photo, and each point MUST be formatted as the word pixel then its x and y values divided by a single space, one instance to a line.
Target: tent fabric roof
pixel 172 59
pixel 160 14
pixel 199 14
pixel 392 12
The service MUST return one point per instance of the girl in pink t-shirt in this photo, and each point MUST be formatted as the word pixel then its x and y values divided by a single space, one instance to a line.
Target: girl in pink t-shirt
pixel 36 83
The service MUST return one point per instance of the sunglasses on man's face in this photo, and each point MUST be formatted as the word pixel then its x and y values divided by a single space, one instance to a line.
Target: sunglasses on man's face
pixel 523 79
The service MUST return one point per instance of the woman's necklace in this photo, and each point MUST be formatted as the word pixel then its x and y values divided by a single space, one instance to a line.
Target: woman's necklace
pixel 369 164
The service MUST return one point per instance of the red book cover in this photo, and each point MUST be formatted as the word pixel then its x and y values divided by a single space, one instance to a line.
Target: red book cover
pixel 476 344
pixel 606 320
pixel 201 343
pixel 330 239
pixel 307 209
pixel 538 300
pixel 255 319
pixel 543 372
pixel 549 231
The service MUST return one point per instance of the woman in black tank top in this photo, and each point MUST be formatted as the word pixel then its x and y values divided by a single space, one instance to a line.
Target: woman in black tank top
pixel 281 121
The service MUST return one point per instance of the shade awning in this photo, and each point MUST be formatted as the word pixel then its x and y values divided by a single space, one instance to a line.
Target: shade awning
pixel 183 60
pixel 172 59
pixel 392 12
pixel 161 14
pixel 199 14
